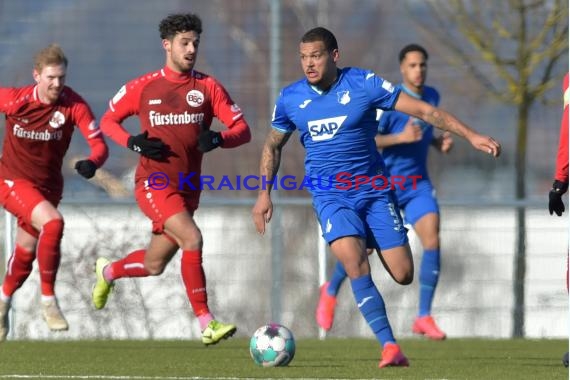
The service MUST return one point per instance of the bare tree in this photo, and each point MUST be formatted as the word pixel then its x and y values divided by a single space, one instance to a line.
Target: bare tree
pixel 512 49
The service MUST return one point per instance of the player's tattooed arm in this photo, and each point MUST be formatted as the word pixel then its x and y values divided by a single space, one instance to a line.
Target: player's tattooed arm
pixel 432 115
pixel 270 159
pixel 271 155
pixel 446 121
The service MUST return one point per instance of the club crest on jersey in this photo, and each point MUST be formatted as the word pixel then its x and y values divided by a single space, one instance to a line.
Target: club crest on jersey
pixel 343 97
pixel 195 98
pixel 57 120
pixel 325 129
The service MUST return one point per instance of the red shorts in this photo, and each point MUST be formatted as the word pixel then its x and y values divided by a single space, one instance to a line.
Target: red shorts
pixel 159 205
pixel 19 197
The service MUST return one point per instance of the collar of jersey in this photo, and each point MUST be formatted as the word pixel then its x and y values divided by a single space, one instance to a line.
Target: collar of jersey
pixel 320 92
pixel 177 77
pixel 410 92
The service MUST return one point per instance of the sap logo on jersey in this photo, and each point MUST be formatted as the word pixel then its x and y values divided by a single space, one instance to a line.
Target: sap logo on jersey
pixel 325 129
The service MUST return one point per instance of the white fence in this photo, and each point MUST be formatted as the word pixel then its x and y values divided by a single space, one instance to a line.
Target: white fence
pixel 250 282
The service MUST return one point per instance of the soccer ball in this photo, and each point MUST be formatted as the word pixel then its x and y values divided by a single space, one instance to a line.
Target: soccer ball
pixel 272 345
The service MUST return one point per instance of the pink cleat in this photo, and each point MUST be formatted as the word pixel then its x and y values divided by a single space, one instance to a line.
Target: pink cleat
pixel 325 309
pixel 392 356
pixel 426 326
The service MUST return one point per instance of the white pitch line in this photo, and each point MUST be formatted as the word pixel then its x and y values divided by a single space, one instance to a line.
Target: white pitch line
pixel 111 377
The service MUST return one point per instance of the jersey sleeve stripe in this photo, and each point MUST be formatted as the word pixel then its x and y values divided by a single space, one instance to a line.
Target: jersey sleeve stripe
pixel 280 129
pixel 94 134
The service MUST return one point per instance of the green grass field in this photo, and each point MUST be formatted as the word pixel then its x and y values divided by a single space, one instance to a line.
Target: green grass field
pixel 314 359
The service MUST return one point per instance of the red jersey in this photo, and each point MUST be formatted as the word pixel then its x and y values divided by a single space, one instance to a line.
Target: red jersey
pixel 173 107
pixel 38 135
pixel 561 172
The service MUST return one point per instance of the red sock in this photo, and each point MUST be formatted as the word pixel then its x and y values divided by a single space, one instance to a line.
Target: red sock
pixel 195 281
pixel 130 266
pixel 18 269
pixel 49 254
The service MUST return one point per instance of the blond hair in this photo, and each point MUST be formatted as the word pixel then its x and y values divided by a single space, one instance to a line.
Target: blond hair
pixel 51 55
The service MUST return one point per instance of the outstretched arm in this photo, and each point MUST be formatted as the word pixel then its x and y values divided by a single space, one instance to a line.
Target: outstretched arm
pixel 410 134
pixel 270 160
pixel 446 121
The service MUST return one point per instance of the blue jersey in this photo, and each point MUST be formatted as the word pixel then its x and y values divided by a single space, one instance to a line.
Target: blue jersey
pixel 408 159
pixel 337 128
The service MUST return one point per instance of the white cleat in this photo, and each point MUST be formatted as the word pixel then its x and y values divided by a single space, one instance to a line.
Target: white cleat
pixel 53 316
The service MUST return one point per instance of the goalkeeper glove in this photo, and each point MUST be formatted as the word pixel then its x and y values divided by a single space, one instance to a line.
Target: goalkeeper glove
pixel 555 203
pixel 86 168
pixel 208 140
pixel 151 148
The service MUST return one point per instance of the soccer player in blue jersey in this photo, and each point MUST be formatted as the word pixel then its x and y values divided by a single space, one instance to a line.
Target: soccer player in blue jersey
pixel 334 111
pixel 405 142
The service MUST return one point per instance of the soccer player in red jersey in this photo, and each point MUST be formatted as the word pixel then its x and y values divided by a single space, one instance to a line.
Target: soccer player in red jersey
pixel 40 120
pixel 560 185
pixel 175 105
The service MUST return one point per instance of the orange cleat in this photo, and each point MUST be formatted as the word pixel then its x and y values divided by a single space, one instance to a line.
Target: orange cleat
pixel 325 308
pixel 392 356
pixel 426 326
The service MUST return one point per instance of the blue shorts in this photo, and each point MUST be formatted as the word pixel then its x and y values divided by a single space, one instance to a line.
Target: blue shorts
pixel 376 220
pixel 419 202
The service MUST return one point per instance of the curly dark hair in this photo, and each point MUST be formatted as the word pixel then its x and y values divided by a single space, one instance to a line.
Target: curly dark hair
pixel 410 48
pixel 179 23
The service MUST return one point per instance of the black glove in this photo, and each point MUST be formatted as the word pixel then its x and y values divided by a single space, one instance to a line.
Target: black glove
pixel 86 168
pixel 208 140
pixel 151 148
pixel 555 203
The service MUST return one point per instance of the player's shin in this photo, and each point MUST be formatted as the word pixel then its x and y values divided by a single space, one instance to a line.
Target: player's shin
pixel 429 276
pixel 18 269
pixel 195 281
pixel 337 278
pixel 49 254
pixel 372 308
pixel 131 265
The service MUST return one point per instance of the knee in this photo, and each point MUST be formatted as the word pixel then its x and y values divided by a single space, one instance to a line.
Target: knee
pixel 431 244
pixel 27 246
pixel 192 241
pixel 405 277
pixel 24 254
pixel 53 228
pixel 431 241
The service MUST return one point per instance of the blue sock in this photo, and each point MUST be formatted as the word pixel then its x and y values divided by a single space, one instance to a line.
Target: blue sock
pixel 371 305
pixel 429 274
pixel 337 279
